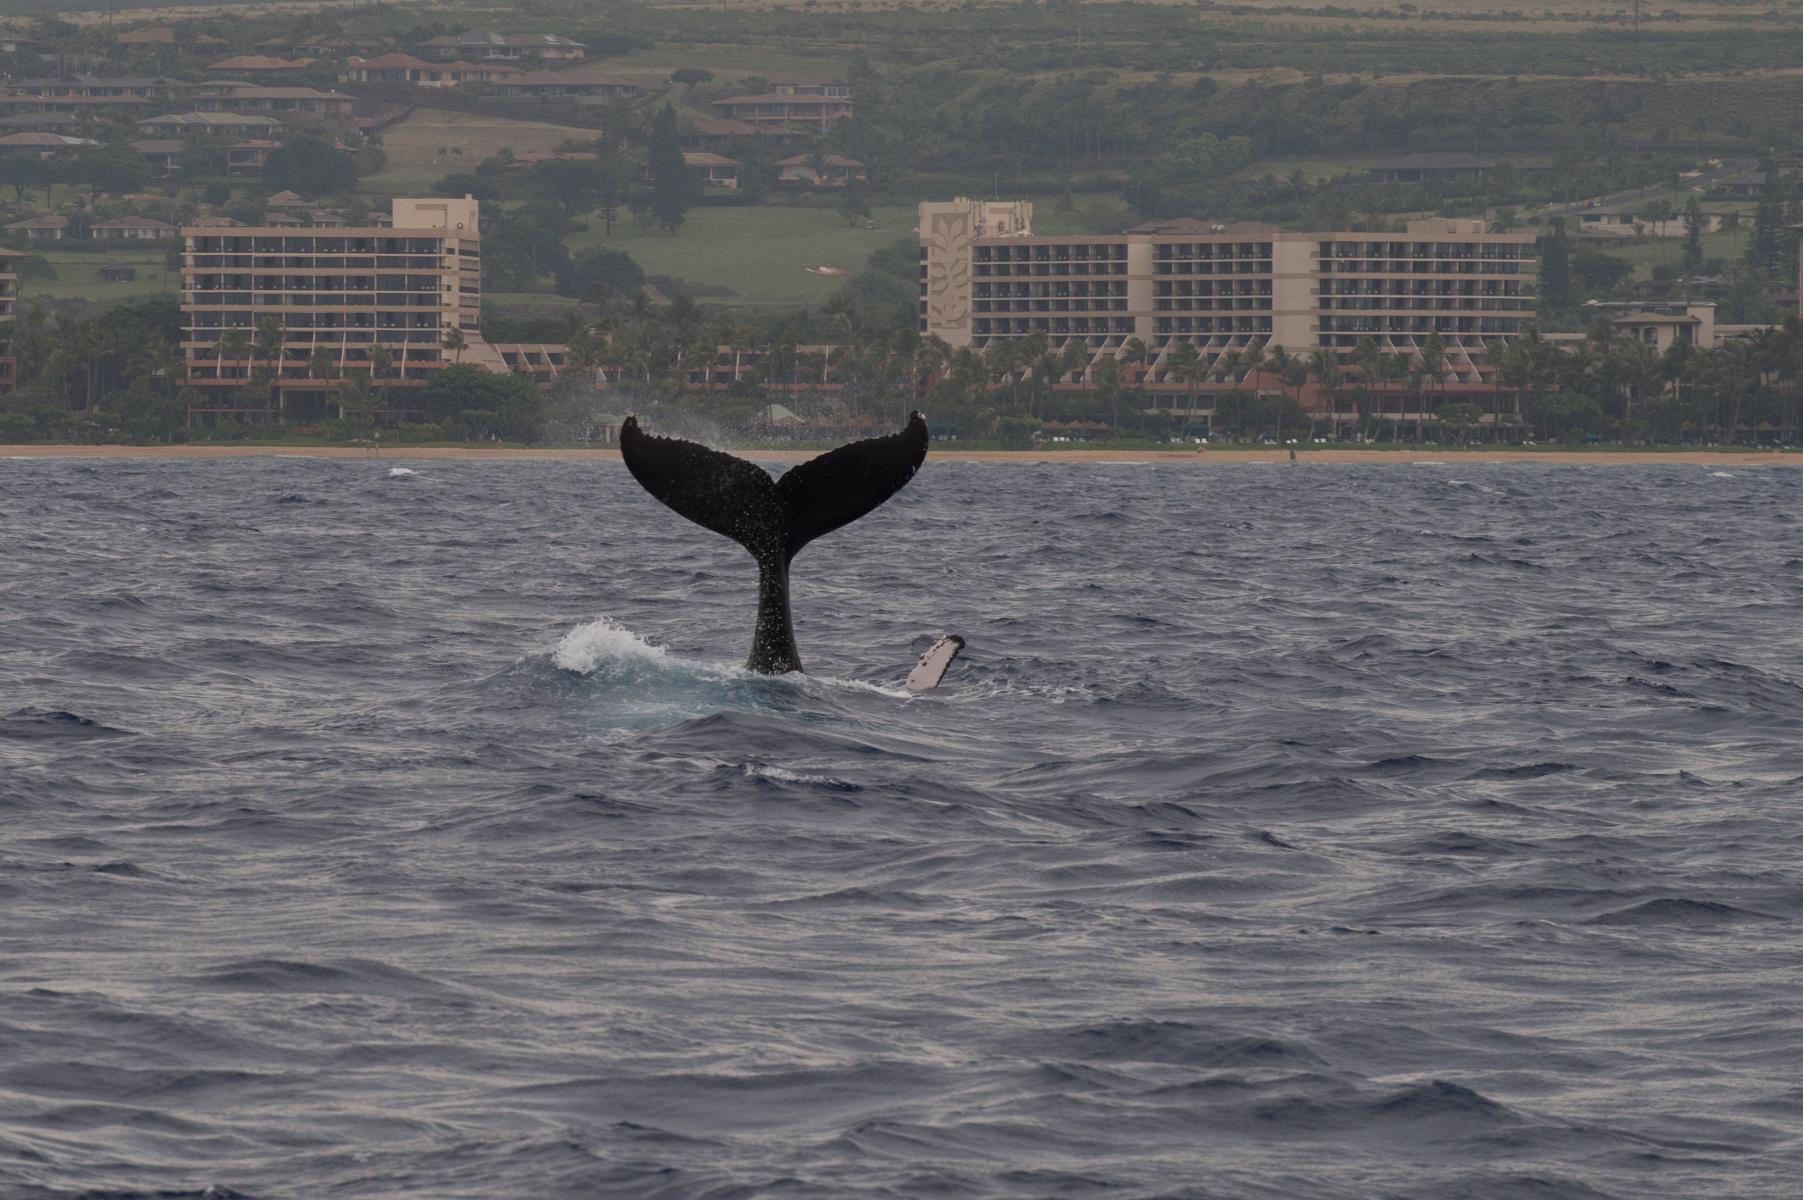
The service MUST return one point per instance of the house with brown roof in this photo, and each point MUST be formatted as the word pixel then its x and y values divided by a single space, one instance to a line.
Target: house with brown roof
pixel 714 170
pixel 163 154
pixel 481 44
pixel 131 229
pixel 788 111
pixel 43 229
pixel 715 133
pixel 41 145
pixel 97 86
pixel 1428 167
pixel 404 68
pixel 259 64
pixel 248 157
pixel 238 125
pixel 819 170
pixel 289 102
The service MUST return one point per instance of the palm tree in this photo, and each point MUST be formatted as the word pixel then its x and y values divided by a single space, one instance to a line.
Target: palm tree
pixel 1324 364
pixel 267 345
pixel 1184 364
pixel 234 346
pixel 454 341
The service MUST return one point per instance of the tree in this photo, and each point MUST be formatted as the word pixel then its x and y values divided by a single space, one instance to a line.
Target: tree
pixel 1693 237
pixel 599 272
pixel 690 77
pixel 115 169
pixel 854 202
pixel 308 163
pixel 456 343
pixel 673 185
pixel 1594 273
pixel 481 402
pixel 1555 269
pixel 1459 417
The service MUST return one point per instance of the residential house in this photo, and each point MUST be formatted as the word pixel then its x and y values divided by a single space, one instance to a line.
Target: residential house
pixel 287 199
pixel 480 44
pixel 97 86
pixel 292 103
pixel 777 110
pixel 837 88
pixel 163 154
pixel 259 65
pixel 1432 167
pixel 404 68
pixel 247 158
pixel 41 145
pixel 716 133
pixel 84 108
pixel 43 229
pixel 819 170
pixel 54 121
pixel 222 124
pixel 131 229
pixel 714 170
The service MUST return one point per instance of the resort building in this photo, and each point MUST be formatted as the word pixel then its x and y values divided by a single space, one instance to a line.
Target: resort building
pixel 347 292
pixel 1223 288
pixel 9 296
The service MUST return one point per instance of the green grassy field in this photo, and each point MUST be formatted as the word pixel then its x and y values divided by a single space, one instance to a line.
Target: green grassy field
pixel 78 275
pixel 433 143
pixel 760 254
pixel 1649 252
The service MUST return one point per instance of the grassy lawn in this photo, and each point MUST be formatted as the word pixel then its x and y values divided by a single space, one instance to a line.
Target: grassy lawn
pixel 760 254
pixel 78 275
pixel 433 143
pixel 1648 252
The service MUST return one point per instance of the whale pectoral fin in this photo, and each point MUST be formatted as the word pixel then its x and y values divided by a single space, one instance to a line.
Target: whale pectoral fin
pixel 728 495
pixel 842 485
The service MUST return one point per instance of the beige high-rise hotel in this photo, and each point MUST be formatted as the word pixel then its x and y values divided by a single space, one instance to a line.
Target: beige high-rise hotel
pixel 985 275
pixel 405 288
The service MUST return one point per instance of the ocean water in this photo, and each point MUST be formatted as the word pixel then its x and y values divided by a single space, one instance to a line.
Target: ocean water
pixel 1330 832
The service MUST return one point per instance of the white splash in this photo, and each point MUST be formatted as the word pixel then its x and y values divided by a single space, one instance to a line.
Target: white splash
pixel 401 472
pixel 1721 475
pixel 588 646
pixel 784 775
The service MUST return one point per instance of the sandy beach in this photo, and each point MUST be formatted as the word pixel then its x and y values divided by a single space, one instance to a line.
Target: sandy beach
pixel 1428 454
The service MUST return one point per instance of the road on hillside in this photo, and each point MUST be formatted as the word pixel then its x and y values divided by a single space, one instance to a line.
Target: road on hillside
pixel 1633 195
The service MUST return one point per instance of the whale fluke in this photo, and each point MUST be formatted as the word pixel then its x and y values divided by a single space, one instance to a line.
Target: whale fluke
pixel 773 518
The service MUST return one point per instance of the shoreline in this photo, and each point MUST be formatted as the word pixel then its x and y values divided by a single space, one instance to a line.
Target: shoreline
pixel 1437 455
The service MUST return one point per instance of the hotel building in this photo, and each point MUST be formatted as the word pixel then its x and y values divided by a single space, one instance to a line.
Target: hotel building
pixel 984 275
pixel 343 291
pixel 9 299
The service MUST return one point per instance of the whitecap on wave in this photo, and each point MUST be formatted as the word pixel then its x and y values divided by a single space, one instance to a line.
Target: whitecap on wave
pixel 401 472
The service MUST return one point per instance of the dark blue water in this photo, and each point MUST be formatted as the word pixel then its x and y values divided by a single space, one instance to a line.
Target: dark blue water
pixel 1393 831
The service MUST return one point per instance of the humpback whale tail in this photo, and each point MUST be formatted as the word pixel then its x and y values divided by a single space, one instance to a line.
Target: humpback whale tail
pixel 773 518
